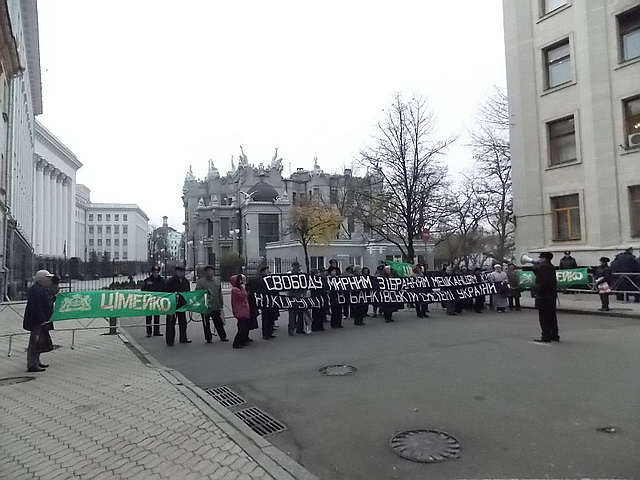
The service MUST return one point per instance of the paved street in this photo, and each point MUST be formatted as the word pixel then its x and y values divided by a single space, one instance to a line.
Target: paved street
pixel 519 409
pixel 99 412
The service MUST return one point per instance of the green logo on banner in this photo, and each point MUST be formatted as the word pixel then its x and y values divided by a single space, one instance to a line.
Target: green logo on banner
pixel 565 278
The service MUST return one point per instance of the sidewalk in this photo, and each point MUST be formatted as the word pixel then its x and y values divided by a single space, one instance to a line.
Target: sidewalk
pixel 589 303
pixel 108 411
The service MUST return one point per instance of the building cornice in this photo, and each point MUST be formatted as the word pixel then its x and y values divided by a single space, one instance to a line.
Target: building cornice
pixel 9 53
pixel 29 10
pixel 117 206
pixel 49 139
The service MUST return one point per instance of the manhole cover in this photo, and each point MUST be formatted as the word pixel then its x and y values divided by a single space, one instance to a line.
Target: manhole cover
pixel 13 380
pixel 338 370
pixel 427 446
pixel 260 422
pixel 225 396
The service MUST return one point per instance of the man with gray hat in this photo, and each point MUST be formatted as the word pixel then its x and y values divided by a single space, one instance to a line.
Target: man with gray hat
pixel 37 316
pixel 212 284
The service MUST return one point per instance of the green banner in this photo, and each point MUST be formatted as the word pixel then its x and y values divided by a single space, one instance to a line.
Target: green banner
pixel 126 303
pixel 197 301
pixel 401 269
pixel 565 278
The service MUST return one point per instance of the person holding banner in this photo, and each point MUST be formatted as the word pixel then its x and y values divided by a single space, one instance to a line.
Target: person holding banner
pixel 177 283
pixel 214 287
pixel 546 293
pixel 153 283
pixel 269 314
pixel 336 310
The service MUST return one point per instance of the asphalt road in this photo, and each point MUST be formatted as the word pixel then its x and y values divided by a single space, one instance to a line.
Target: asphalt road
pixel 519 409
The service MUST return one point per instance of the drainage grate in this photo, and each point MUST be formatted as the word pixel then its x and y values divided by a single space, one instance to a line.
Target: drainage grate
pixel 260 422
pixel 426 446
pixel 14 380
pixel 226 397
pixel 338 370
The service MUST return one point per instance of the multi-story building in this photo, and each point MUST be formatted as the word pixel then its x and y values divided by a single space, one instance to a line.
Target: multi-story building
pixel 54 235
pixel 166 245
pixel 247 212
pixel 9 68
pixel 119 229
pixel 573 77
pixel 24 102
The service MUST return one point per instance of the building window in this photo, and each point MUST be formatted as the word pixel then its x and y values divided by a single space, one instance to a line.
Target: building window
pixel 566 216
pixel 99 217
pixel 116 242
pixel 108 242
pixel 116 229
pixel 557 60
pixel 268 230
pixel 629 34
pixel 125 229
pixel 225 227
pixel 549 6
pixel 91 217
pixel 116 217
pixel 124 256
pixel 100 229
pixel 562 141
pixel 632 121
pixel 91 230
pixel 124 241
pixel 634 210
pixel 124 217
pixel 316 263
pixel 99 242
pixel 108 217
pixel 91 242
pixel 116 255
pixel 108 227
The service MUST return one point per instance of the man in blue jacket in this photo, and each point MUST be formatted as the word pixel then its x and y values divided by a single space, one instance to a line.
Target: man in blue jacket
pixel 37 315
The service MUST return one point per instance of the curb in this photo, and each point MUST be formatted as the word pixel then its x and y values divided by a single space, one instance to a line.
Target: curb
pixel 634 316
pixel 273 460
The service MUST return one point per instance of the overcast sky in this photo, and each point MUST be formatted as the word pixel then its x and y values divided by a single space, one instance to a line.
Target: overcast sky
pixel 140 90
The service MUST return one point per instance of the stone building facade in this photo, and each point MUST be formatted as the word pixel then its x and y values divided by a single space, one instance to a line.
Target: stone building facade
pixel 247 212
pixel 573 77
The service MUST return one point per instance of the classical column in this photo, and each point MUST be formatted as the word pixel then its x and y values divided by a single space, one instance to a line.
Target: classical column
pixel 46 210
pixel 38 237
pixel 69 217
pixel 59 214
pixel 64 233
pixel 53 214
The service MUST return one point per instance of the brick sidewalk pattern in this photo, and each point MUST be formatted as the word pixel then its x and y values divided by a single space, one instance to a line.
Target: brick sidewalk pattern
pixel 99 413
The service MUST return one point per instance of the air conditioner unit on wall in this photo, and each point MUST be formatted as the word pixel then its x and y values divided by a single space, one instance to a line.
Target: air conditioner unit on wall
pixel 634 140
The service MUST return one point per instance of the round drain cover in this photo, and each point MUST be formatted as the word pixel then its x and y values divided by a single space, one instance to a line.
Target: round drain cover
pixel 427 446
pixel 338 370
pixel 13 380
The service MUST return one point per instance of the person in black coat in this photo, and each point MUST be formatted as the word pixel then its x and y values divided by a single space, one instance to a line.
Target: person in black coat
pixel 177 283
pixel 153 283
pixel 269 314
pixel 546 292
pixel 602 276
pixel 37 316
pixel 625 262
pixel 567 261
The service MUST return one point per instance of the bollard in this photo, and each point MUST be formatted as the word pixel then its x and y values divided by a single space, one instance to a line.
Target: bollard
pixel 113 326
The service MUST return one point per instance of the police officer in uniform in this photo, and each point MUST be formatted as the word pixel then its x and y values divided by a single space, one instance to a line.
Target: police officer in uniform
pixel 177 283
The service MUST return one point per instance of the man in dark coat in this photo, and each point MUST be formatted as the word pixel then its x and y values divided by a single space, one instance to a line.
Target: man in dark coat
pixel 268 314
pixel 546 292
pixel 625 262
pixel 37 316
pixel 153 283
pixel 603 280
pixel 177 283
pixel 567 261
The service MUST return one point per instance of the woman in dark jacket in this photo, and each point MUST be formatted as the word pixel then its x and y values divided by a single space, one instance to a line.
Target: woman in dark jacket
pixel 240 309
pixel 603 276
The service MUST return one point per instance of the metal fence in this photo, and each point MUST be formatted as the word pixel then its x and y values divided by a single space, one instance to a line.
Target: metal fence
pixel 624 286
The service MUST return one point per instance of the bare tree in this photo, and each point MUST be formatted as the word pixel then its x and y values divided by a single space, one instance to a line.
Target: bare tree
pixel 490 143
pixel 405 177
